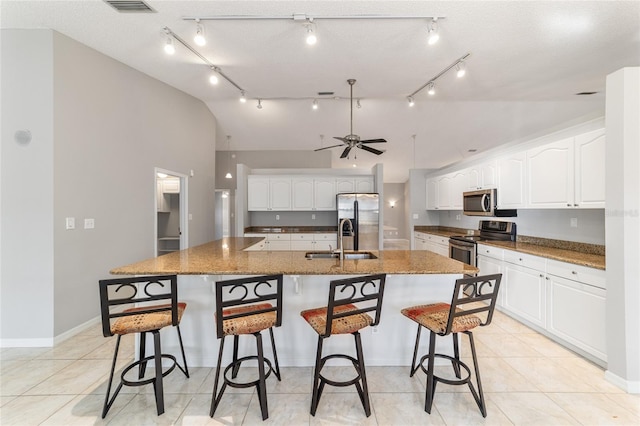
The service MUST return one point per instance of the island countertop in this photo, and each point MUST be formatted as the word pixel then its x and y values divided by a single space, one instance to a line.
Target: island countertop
pixel 226 257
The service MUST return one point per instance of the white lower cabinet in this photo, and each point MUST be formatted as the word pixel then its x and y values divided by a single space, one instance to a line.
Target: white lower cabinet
pixel 437 244
pixel 489 262
pixel 313 242
pixel 524 293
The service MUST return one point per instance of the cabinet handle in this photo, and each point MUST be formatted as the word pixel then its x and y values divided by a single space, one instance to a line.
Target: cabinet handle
pixel 574 272
pixel 541 275
pixel 575 205
pixel 520 259
pixel 568 205
pixel 488 251
pixel 546 278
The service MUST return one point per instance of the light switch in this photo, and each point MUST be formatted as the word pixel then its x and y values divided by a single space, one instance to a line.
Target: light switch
pixel 574 222
pixel 70 223
pixel 415 216
pixel 89 223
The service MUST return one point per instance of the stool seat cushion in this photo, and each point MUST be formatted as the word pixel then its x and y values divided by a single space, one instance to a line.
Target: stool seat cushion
pixel 435 317
pixel 147 321
pixel 317 318
pixel 248 324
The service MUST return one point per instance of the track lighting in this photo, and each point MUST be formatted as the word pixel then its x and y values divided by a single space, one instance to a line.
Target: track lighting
pixel 460 69
pixel 460 66
pixel 243 97
pixel 311 35
pixel 432 35
pixel 169 48
pixel 411 102
pixel 199 37
pixel 213 78
pixel 259 106
pixel 358 103
pixel 315 104
pixel 432 89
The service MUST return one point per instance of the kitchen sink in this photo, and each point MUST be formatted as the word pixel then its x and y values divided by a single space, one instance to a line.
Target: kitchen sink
pixel 349 255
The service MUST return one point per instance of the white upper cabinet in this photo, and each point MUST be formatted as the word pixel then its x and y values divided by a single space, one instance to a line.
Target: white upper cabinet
pixel 258 193
pixel 590 169
pixel 551 175
pixel 511 181
pixel 444 187
pixel 355 184
pixel 432 194
pixel 345 185
pixel 302 189
pixel 483 176
pixel 364 184
pixel 269 193
pixel 313 193
pixel 458 186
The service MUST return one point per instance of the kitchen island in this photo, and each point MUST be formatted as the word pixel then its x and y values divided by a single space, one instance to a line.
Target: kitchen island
pixel 413 277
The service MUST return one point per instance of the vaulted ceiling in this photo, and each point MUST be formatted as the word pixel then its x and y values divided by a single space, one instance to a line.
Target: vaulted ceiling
pixel 528 60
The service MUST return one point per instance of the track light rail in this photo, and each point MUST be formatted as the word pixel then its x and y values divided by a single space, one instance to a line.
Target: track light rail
pixel 302 17
pixel 440 74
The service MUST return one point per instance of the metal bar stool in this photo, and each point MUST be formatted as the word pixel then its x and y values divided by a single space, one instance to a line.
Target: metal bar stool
pixel 246 306
pixel 121 292
pixel 343 316
pixel 443 319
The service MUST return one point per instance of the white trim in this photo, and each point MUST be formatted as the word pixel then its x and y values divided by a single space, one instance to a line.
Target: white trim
pixel 75 330
pixel 626 385
pixel 45 342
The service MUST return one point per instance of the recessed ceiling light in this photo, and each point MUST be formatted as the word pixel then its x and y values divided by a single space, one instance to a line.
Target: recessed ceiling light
pixel 325 93
pixel 585 93
pixel 473 150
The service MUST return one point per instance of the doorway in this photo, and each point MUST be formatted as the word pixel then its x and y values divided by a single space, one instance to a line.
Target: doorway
pixel 223 213
pixel 170 212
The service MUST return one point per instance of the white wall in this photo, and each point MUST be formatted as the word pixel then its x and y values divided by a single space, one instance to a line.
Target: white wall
pixel 27 187
pixel 111 126
pixel 394 217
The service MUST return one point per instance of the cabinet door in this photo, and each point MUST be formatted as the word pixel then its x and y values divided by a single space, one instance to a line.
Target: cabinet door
pixel 473 179
pixel 458 186
pixel 324 194
pixel 280 193
pixel 257 193
pixel 511 184
pixel 489 175
pixel 590 169
pixel 524 293
pixel 577 315
pixel 345 185
pixel 432 194
pixel 551 175
pixel 489 266
pixel 171 186
pixel 444 186
pixel 162 202
pixel 302 190
pixel 364 184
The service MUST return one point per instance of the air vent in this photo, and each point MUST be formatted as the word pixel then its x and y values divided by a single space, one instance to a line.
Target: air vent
pixel 325 93
pixel 130 6
pixel 586 93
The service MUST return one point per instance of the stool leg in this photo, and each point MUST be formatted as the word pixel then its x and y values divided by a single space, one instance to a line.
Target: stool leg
pixel 317 384
pixel 262 384
pixel 275 355
pixel 364 392
pixel 479 396
pixel 142 354
pixel 456 354
pixel 414 367
pixel 236 367
pixel 215 399
pixel 185 370
pixel 107 402
pixel 157 384
pixel 431 384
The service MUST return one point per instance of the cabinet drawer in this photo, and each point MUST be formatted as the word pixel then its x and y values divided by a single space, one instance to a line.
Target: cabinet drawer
pixel 279 237
pixel 489 251
pixel 420 235
pixel 438 239
pixel 325 237
pixel 301 237
pixel 583 274
pixel 526 260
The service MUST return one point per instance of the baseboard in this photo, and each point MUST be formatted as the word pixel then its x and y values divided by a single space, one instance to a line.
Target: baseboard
pixel 75 330
pixel 626 385
pixel 46 342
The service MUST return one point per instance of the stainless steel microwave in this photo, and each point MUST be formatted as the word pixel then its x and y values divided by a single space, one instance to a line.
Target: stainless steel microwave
pixel 483 203
pixel 479 203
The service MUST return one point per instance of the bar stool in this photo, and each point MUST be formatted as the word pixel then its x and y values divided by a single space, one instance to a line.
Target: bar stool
pixel 443 319
pixel 121 292
pixel 343 316
pixel 245 306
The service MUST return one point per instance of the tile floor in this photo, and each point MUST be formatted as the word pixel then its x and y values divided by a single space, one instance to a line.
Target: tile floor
pixel 528 380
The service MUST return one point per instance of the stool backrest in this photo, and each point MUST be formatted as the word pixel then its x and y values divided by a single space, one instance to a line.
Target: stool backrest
pixel 365 292
pixel 122 293
pixel 245 292
pixel 482 291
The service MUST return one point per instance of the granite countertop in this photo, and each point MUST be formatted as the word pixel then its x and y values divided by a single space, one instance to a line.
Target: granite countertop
pixel 225 257
pixel 290 229
pixel 591 255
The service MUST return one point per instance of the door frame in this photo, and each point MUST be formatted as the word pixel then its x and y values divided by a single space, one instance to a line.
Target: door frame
pixel 184 198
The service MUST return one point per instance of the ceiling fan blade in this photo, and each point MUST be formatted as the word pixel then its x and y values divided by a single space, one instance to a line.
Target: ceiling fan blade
pixel 327 147
pixel 373 150
pixel 373 141
pixel 346 152
pixel 340 139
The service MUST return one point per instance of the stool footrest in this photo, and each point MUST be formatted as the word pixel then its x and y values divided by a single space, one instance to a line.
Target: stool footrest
pixel 461 381
pixel 340 383
pixel 143 382
pixel 237 363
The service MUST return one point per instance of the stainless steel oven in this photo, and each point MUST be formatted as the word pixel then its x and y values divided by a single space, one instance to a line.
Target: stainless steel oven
pixel 463 251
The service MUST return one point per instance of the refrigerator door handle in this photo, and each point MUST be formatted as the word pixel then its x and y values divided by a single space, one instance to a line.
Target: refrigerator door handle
pixel 356 225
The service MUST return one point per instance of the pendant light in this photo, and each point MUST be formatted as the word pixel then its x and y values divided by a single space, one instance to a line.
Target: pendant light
pixel 229 175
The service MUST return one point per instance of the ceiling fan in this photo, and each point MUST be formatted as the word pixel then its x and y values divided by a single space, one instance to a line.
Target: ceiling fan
pixel 353 141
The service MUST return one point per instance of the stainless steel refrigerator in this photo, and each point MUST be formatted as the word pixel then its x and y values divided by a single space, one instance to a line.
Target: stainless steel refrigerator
pixel 363 209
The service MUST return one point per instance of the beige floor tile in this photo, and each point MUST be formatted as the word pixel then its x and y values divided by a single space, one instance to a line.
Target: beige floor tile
pixel 507 345
pixel 531 409
pixel 8 354
pixel 177 382
pixel 509 324
pixel 105 351
pixel 403 409
pixel 629 401
pixel 295 380
pixel 482 349
pixel 341 409
pixel 4 400
pixel 498 376
pixel 74 348
pixel 141 410
pixel 546 346
pixel 392 379
pixel 231 412
pixel 86 410
pixel 590 373
pixel 462 409
pixel 245 374
pixel 548 377
pixel 284 409
pixel 32 410
pixel 591 408
pixel 25 376
pixel 76 378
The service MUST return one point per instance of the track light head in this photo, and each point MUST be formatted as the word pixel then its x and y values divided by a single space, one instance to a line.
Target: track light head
pixel 199 37
pixel 213 77
pixel 460 69
pixel 243 97
pixel 358 103
pixel 259 106
pixel 433 35
pixel 311 35
pixel 411 101
pixel 169 48
pixel 314 105
pixel 432 89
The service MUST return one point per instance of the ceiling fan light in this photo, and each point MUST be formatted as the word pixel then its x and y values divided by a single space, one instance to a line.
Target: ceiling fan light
pixel 460 69
pixel 199 37
pixel 169 48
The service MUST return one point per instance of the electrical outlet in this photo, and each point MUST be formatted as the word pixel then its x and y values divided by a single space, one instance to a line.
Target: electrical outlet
pixel 313 217
pixel 70 223
pixel 277 217
pixel 458 217
pixel 573 222
pixel 416 216
pixel 89 223
pixel 374 330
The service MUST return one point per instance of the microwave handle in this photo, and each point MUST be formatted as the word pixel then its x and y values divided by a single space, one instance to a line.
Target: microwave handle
pixel 485 203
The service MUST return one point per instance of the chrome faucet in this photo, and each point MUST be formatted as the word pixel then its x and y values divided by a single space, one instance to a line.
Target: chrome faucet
pixel 341 234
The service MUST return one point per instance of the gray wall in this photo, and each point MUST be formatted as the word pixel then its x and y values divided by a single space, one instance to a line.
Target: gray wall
pixel 394 217
pixel 111 126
